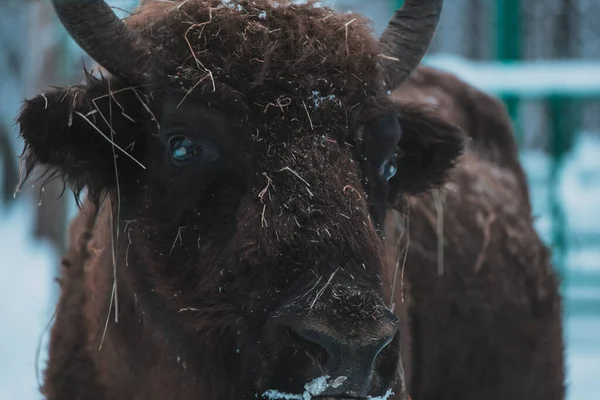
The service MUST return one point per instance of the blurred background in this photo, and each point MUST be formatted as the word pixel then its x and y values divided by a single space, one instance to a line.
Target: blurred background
pixel 542 57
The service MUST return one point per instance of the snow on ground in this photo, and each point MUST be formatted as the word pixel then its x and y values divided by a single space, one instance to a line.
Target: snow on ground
pixel 580 193
pixel 28 269
pixel 583 357
pixel 579 190
pixel 581 186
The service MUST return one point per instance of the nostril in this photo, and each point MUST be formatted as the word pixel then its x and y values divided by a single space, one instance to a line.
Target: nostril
pixel 363 353
pixel 328 349
pixel 316 337
pixel 360 358
pixel 385 342
pixel 310 343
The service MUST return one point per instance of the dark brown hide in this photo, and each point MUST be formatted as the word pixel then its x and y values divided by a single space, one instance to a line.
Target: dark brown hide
pixel 484 321
pixel 488 327
pixel 209 257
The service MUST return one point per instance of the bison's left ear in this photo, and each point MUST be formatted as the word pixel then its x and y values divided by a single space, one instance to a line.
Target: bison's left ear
pixel 407 152
pixel 427 151
pixel 413 150
pixel 83 133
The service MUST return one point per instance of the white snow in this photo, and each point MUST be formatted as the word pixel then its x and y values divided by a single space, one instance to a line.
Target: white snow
pixel 583 357
pixel 384 397
pixel 315 387
pixel 318 99
pixel 581 185
pixel 27 269
pixel 579 190
pixel 525 79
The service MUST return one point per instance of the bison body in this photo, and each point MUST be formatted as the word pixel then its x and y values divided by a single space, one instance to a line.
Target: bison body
pixel 254 172
pixel 483 316
pixel 485 325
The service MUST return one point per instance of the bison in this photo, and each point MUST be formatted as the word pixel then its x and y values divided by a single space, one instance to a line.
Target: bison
pixel 279 205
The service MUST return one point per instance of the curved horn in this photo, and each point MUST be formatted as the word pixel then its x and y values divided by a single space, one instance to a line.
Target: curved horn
pixel 406 39
pixel 100 33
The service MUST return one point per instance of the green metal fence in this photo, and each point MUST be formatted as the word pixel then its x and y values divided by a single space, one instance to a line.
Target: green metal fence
pixel 563 121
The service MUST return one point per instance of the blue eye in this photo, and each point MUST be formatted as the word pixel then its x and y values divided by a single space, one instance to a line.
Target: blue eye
pixel 183 149
pixel 390 168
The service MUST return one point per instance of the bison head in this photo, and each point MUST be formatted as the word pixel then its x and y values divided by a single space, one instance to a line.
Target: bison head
pixel 251 149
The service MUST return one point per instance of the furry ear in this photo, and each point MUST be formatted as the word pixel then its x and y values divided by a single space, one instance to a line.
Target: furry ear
pixel 84 132
pixel 424 147
pixel 428 149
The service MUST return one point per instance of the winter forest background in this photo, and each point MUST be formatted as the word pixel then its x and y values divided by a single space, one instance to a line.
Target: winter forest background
pixel 541 56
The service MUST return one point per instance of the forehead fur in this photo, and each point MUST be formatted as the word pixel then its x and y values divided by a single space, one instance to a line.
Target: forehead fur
pixel 304 75
pixel 283 60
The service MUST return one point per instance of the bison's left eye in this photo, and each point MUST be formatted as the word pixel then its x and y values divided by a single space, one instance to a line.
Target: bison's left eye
pixel 389 168
pixel 183 149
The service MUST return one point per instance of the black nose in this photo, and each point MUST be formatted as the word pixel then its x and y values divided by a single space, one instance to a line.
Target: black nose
pixel 348 352
pixel 347 348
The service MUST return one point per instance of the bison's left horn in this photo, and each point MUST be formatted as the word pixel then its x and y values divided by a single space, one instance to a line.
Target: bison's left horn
pixel 407 38
pixel 101 34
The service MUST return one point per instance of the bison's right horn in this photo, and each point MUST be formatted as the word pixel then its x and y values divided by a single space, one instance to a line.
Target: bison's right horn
pixel 407 38
pixel 101 34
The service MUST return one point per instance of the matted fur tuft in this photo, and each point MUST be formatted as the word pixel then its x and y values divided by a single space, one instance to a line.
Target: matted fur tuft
pixel 61 131
pixel 286 61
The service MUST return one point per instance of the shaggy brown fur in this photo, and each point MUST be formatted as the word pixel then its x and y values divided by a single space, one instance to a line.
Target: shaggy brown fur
pixel 484 321
pixel 209 258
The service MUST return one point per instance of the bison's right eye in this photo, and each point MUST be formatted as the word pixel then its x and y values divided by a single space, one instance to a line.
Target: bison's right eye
pixel 183 149
pixel 389 168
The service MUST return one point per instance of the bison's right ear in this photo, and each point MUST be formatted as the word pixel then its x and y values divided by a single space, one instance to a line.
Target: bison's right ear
pixel 83 133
